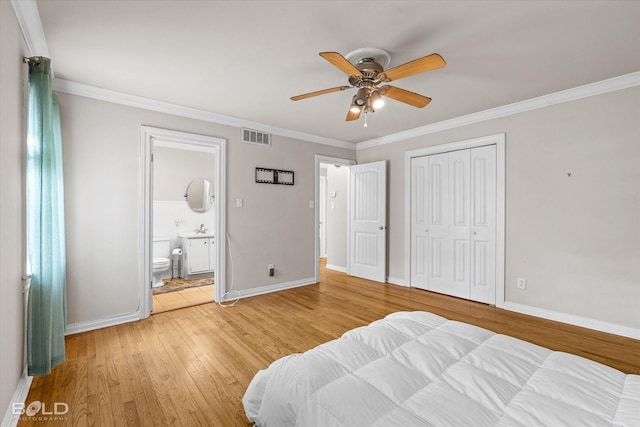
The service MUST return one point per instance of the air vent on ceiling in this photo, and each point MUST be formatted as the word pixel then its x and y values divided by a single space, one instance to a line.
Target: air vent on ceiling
pixel 256 137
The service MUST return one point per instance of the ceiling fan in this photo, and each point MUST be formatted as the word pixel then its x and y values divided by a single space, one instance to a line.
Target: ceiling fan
pixel 365 68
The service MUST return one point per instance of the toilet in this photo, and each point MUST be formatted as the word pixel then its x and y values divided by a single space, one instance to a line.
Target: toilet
pixel 161 261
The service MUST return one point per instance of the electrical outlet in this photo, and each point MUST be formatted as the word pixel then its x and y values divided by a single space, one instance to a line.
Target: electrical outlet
pixel 521 283
pixel 271 269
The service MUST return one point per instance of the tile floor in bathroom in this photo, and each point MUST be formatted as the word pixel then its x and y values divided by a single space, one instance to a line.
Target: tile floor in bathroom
pixel 181 299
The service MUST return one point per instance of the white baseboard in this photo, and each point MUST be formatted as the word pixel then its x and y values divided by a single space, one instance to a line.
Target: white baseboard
pixel 91 325
pixel 336 268
pixel 245 293
pixel 396 281
pixel 19 396
pixel 571 319
pixel 76 328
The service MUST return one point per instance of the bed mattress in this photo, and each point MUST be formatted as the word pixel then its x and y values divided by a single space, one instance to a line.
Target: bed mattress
pixel 420 369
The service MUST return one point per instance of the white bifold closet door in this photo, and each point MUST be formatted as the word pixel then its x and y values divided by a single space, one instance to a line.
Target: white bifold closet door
pixel 453 223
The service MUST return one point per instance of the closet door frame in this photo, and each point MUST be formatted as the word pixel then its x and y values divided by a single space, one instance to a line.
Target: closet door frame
pixel 499 141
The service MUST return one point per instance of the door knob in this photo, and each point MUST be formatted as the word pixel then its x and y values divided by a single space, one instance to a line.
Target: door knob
pixel 381 227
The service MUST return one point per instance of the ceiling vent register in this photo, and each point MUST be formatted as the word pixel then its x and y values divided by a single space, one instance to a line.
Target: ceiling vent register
pixel 251 136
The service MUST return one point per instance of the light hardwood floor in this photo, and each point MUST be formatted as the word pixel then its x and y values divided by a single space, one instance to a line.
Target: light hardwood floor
pixel 190 367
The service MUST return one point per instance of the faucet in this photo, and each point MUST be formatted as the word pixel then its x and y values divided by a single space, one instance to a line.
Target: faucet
pixel 201 229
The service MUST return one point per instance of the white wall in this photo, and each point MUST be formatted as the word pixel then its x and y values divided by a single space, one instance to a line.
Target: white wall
pixel 575 239
pixel 101 154
pixel 172 218
pixel 173 171
pixel 12 139
pixel 337 219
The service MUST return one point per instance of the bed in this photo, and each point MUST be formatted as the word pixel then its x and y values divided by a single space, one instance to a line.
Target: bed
pixel 420 369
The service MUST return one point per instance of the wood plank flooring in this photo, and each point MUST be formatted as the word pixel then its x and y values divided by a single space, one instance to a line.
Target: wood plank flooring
pixel 190 367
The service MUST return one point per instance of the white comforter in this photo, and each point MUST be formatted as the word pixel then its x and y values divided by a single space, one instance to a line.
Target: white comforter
pixel 419 369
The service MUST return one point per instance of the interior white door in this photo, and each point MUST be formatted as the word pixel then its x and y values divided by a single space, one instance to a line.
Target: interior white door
pixel 419 222
pixel 368 221
pixel 438 243
pixel 449 224
pixel 483 219
pixel 453 223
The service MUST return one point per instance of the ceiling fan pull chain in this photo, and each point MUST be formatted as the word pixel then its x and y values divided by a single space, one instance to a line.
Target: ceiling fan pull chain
pixel 365 118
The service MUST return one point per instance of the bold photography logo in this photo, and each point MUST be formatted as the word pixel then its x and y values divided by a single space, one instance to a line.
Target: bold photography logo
pixel 41 410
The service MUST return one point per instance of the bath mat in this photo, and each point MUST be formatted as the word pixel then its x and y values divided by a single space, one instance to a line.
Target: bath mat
pixel 173 285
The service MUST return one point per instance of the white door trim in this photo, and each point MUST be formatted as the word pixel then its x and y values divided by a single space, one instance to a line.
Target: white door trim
pixel 334 161
pixel 499 141
pixel 322 200
pixel 147 135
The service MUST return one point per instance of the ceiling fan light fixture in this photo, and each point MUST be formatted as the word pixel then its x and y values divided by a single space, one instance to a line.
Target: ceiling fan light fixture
pixel 369 108
pixel 376 99
pixel 360 98
pixel 355 107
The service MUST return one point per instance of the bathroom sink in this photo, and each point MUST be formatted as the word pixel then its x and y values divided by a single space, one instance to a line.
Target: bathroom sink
pixel 193 234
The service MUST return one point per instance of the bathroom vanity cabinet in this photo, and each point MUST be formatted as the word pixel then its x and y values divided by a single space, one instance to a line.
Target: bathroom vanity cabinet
pixel 199 252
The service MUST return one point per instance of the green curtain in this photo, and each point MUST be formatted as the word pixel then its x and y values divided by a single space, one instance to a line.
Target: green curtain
pixel 47 307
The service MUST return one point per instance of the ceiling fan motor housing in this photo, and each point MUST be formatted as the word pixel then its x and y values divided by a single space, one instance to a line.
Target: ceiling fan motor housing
pixel 369 65
pixel 370 70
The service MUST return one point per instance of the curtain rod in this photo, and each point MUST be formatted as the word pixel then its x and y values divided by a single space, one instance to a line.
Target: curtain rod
pixel 35 59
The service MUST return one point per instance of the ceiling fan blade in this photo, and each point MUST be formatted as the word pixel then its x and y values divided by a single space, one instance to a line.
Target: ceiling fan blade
pixel 353 116
pixel 417 66
pixel 319 92
pixel 341 62
pixel 405 96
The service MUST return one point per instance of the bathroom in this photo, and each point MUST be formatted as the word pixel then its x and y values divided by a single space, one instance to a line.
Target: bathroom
pixel 183 218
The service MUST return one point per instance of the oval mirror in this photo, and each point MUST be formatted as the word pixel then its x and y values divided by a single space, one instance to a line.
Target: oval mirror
pixel 199 195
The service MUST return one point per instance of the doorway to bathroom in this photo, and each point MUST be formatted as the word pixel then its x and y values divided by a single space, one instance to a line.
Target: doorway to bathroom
pixel 182 219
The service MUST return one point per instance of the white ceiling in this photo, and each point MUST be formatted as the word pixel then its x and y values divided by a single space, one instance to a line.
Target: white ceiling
pixel 244 59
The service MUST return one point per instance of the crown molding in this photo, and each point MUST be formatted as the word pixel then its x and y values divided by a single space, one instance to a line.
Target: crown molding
pixel 29 20
pixel 592 89
pixel 107 95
